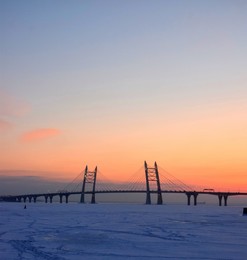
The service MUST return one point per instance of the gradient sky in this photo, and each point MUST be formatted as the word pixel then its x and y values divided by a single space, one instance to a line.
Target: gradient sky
pixel 114 83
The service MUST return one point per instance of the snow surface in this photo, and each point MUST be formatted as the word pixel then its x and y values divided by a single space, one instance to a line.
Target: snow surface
pixel 121 231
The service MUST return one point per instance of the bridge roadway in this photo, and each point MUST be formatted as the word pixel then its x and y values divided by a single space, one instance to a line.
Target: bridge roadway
pixel 194 194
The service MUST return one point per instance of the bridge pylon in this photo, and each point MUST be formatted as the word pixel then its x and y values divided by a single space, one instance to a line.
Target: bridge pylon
pixel 152 175
pixel 89 178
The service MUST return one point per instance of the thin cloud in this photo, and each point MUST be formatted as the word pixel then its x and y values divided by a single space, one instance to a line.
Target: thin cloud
pixel 40 134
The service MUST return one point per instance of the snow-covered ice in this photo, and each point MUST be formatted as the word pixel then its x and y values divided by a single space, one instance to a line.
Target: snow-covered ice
pixel 121 231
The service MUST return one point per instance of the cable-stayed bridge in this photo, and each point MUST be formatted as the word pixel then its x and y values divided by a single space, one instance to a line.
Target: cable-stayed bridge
pixel 149 180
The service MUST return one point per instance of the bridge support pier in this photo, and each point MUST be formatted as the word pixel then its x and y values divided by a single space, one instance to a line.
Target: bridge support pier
pixel 24 199
pixel 67 198
pixel 195 198
pixel 93 201
pixel 159 193
pixel 34 199
pixel 188 198
pixel 46 199
pixel 225 199
pixel 30 199
pixel 220 199
pixel 148 194
pixel 61 198
pixel 152 175
pixel 51 197
pixel 90 178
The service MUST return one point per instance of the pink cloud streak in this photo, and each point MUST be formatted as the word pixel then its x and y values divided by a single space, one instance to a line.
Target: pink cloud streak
pixel 40 134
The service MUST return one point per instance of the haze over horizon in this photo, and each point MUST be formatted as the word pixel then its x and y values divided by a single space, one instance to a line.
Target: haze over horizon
pixel 114 83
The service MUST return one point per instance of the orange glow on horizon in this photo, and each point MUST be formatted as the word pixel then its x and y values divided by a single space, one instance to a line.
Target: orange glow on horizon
pixel 208 152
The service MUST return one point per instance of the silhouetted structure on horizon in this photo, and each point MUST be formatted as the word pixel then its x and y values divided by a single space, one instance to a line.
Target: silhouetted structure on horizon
pixel 153 186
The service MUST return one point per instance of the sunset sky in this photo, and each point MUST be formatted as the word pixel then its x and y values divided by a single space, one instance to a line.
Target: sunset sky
pixel 114 83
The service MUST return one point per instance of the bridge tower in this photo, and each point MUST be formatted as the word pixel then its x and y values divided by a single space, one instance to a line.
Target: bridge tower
pixel 89 178
pixel 152 175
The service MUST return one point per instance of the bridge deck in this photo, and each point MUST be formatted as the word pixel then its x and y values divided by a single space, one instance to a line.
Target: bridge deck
pixel 123 191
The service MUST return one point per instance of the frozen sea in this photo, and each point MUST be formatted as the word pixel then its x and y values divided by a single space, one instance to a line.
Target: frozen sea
pixel 121 231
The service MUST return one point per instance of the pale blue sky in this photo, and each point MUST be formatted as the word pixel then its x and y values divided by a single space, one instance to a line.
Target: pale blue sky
pixel 163 46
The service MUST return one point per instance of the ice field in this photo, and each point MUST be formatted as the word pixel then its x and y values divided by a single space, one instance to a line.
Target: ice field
pixel 121 231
